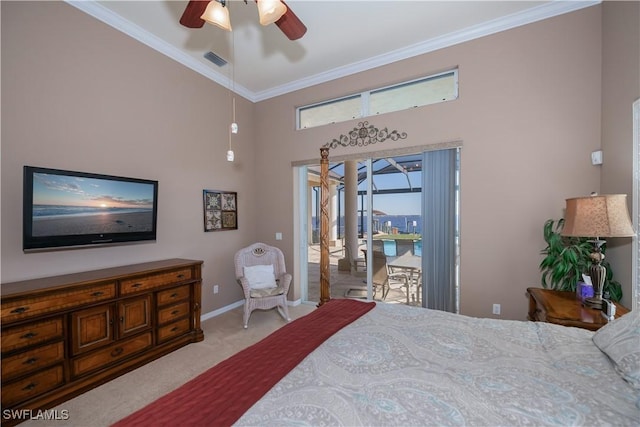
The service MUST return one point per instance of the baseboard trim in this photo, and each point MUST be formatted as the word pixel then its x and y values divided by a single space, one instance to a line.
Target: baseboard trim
pixel 237 304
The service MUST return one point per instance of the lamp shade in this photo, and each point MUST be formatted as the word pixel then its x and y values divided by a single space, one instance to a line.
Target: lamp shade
pixel 270 11
pixel 217 14
pixel 598 216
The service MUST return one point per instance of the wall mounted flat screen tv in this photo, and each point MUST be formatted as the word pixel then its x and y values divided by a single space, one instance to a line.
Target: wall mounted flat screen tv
pixel 63 209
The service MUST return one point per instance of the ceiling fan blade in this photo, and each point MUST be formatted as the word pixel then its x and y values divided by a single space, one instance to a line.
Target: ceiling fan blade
pixel 291 25
pixel 191 16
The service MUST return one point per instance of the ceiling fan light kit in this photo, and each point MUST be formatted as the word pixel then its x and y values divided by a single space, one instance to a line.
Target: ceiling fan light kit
pixel 269 11
pixel 198 12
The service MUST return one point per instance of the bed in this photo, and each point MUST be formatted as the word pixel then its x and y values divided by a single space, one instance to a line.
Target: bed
pixel 388 364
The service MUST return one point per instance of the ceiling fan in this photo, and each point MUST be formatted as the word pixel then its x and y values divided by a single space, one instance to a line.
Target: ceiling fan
pixel 288 23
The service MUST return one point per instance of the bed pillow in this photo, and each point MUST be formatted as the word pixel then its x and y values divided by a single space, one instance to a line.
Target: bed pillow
pixel 260 276
pixel 620 340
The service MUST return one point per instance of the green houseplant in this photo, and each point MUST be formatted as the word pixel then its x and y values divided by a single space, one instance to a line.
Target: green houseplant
pixel 567 258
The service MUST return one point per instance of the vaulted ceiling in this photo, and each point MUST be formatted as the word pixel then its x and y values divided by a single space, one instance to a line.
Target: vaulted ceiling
pixel 343 37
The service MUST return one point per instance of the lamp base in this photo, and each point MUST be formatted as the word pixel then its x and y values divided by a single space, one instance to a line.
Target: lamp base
pixel 593 303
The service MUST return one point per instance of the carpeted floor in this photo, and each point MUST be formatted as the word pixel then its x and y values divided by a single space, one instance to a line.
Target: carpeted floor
pixel 223 337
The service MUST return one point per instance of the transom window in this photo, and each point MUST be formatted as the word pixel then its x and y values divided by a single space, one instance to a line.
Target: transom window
pixel 436 88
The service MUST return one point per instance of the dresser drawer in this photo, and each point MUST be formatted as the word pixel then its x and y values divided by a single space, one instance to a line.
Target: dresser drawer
pixel 24 308
pixel 32 360
pixel 31 386
pixel 172 295
pixel 118 351
pixel 146 283
pixel 173 330
pixel 173 312
pixel 34 333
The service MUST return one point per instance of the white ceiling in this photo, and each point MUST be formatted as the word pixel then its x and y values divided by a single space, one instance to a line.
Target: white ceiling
pixel 343 37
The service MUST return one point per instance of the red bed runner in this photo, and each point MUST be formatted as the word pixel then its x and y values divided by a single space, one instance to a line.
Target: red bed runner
pixel 220 395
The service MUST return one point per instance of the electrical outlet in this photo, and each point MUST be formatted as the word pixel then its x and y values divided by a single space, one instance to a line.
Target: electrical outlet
pixel 216 289
pixel 496 308
pixel 278 236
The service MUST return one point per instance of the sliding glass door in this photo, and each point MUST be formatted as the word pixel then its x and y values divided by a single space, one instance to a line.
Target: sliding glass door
pixel 392 206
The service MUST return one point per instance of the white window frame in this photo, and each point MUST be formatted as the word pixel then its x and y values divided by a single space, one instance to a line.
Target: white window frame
pixel 364 97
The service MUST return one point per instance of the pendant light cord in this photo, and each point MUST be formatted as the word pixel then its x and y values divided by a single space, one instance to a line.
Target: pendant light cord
pixel 232 89
pixel 233 72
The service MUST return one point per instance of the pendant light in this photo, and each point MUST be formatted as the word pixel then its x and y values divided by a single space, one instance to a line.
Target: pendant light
pixel 217 14
pixel 233 128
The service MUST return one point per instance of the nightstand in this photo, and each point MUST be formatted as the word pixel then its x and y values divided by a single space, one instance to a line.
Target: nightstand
pixel 564 308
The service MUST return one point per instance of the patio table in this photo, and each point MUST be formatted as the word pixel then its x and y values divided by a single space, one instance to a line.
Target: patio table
pixel 412 264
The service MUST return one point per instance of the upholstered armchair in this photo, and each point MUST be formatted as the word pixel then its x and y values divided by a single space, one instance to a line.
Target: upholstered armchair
pixel 261 272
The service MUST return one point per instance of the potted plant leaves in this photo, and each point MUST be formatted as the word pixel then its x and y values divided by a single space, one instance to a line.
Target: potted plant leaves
pixel 567 258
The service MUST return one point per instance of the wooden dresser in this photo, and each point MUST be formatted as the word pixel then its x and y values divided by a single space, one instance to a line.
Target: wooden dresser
pixel 64 335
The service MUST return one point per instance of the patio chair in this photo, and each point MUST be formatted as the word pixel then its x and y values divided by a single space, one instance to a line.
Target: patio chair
pixel 378 245
pixel 386 280
pixel 261 272
pixel 404 246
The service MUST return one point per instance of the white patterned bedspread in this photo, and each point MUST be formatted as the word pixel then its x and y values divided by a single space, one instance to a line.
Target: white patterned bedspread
pixel 400 365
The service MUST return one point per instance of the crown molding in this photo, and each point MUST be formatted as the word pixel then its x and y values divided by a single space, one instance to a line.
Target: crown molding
pixel 545 11
pixel 538 13
pixel 116 21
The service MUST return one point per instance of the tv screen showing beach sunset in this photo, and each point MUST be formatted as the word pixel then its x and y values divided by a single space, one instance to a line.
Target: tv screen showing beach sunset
pixel 67 205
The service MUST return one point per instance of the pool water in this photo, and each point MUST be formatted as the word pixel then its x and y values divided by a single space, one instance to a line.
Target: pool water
pixel 390 247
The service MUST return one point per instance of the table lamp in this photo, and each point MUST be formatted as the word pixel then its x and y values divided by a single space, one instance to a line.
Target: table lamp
pixel 595 217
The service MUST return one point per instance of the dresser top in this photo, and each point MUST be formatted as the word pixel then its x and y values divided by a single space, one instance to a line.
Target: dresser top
pixel 111 273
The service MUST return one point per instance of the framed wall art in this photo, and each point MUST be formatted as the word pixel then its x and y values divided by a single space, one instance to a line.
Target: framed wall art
pixel 220 210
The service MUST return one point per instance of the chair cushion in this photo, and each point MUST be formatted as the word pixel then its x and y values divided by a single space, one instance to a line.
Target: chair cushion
pixel 260 276
pixel 620 340
pixel 266 292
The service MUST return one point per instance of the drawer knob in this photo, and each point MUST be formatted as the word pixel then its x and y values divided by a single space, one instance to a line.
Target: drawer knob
pixel 175 328
pixel 173 295
pixel 136 285
pixel 19 310
pixel 174 312
pixel 180 276
pixel 29 335
pixel 97 294
pixel 30 386
pixel 30 361
pixel 117 352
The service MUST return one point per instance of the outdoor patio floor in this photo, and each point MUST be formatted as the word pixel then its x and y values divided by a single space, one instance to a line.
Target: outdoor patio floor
pixel 343 283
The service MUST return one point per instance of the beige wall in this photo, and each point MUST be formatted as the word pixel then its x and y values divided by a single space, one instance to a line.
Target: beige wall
pixel 528 115
pixel 620 88
pixel 77 94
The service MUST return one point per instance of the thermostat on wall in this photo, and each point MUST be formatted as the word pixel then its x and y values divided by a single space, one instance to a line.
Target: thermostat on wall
pixel 596 157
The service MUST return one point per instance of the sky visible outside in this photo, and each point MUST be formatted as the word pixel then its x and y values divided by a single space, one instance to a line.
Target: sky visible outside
pixel 397 204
